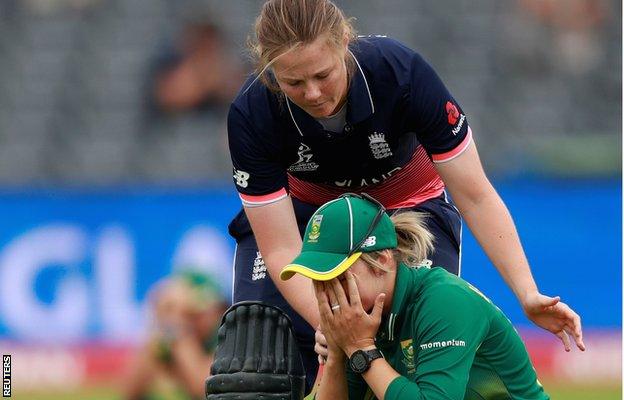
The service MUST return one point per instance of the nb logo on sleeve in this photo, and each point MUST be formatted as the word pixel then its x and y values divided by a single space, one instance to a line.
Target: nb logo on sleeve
pixel 241 178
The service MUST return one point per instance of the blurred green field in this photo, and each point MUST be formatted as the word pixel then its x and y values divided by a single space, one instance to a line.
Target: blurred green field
pixel 557 391
pixel 561 391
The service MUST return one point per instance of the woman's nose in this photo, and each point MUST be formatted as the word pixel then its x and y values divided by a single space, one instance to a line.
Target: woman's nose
pixel 312 92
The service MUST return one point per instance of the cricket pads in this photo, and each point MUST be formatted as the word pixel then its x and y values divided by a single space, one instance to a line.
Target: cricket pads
pixel 256 357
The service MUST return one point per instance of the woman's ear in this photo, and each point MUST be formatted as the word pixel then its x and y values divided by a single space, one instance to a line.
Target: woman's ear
pixel 386 258
pixel 383 257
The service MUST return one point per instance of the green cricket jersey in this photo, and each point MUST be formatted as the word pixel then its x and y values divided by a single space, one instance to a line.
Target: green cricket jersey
pixel 448 341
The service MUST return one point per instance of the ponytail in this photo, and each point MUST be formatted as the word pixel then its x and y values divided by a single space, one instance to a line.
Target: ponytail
pixel 415 242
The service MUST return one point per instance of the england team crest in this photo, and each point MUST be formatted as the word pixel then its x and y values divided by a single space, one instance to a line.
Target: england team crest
pixel 379 146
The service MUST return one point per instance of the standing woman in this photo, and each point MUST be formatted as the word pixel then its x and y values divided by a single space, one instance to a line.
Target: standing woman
pixel 328 112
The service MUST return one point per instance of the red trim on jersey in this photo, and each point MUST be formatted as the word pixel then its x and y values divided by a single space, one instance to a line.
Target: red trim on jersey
pixel 449 155
pixel 255 201
pixel 413 184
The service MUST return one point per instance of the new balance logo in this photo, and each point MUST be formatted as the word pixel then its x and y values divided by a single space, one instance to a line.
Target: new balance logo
pixel 241 178
pixel 370 241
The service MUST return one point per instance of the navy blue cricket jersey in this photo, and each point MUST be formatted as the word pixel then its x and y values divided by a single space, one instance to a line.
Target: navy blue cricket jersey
pixel 400 120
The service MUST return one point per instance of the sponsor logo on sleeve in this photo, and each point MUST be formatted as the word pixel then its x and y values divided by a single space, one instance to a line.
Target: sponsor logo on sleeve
pixel 454 117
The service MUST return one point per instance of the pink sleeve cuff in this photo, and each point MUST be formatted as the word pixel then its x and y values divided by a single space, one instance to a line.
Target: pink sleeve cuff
pixel 449 155
pixel 257 201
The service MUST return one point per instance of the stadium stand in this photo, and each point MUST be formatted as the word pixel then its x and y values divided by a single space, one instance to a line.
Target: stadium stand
pixel 72 86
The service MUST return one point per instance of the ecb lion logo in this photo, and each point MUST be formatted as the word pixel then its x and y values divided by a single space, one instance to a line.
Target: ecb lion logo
pixel 379 146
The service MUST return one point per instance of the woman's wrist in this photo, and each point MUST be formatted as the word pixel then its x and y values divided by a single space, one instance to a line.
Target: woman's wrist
pixel 361 345
pixel 526 296
pixel 336 360
pixel 336 357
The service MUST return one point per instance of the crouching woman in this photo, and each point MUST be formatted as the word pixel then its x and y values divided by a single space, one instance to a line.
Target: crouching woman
pixel 398 331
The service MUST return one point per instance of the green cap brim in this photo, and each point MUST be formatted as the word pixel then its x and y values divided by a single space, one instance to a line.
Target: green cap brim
pixel 319 266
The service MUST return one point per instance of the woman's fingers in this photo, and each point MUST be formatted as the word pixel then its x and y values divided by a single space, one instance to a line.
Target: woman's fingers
pixel 565 339
pixel 319 291
pixel 378 308
pixel 339 292
pixel 320 345
pixel 333 300
pixel 354 294
pixel 320 338
pixel 575 324
pixel 321 350
pixel 571 324
pixel 323 300
pixel 577 334
pixel 547 301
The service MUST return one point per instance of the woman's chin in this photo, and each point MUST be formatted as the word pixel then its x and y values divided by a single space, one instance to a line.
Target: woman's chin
pixel 318 113
pixel 322 111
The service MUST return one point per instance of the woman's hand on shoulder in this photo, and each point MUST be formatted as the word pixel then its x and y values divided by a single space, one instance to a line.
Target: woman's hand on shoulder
pixel 552 314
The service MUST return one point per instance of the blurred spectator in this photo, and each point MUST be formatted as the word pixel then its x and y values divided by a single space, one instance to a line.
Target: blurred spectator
pixel 176 358
pixel 197 74
pixel 568 14
pixel 190 85
pixel 576 23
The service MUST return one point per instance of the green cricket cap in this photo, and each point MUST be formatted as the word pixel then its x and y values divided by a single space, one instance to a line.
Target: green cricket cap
pixel 331 239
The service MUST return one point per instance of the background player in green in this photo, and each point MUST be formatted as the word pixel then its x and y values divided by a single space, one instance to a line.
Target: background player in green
pixel 439 336
pixel 185 310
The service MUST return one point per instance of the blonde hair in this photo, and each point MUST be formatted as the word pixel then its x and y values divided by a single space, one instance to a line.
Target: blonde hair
pixel 415 242
pixel 286 24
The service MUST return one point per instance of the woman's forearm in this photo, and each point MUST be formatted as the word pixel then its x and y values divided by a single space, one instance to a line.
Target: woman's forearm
pixel 334 381
pixel 493 227
pixel 488 219
pixel 279 241
pixel 379 376
pixel 298 290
